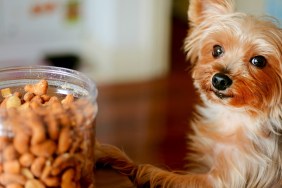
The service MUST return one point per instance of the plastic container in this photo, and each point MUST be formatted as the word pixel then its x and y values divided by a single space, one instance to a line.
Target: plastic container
pixel 47 128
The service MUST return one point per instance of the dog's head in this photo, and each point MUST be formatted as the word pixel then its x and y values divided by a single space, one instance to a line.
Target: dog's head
pixel 236 58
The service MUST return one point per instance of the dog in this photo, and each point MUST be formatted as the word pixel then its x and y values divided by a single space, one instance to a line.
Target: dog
pixel 236 65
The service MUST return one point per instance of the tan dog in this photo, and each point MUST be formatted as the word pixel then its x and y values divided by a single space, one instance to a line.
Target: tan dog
pixel 237 70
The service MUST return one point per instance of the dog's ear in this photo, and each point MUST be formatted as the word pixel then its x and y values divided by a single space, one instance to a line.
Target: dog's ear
pixel 199 10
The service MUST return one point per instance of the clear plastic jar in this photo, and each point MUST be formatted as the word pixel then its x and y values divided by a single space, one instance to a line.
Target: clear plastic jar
pixel 47 128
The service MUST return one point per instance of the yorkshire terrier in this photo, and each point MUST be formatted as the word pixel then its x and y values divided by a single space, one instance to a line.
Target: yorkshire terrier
pixel 237 69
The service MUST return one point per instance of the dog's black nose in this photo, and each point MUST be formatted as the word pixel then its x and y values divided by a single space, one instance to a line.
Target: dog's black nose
pixel 220 81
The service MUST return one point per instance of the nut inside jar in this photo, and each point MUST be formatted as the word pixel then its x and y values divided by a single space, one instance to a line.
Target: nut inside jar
pixel 45 141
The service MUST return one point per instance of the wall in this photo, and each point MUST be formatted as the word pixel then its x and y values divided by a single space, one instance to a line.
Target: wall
pixel 255 7
pixel 30 29
pixel 262 7
pixel 128 40
pixel 118 40
pixel 248 6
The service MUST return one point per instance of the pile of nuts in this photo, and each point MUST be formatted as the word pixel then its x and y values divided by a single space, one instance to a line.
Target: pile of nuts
pixel 45 141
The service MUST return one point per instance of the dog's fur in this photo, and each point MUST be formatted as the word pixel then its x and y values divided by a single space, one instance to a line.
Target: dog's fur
pixel 237 129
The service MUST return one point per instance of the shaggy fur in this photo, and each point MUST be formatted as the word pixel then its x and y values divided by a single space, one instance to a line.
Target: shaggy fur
pixel 237 140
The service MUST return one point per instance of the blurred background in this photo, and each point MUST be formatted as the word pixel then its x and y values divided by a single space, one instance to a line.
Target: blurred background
pixel 111 40
pixel 133 51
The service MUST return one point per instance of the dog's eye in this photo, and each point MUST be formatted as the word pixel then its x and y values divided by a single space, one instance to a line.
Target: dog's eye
pixel 217 51
pixel 258 61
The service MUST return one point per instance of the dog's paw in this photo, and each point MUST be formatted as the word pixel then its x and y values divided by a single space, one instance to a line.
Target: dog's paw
pixel 108 153
pixel 100 151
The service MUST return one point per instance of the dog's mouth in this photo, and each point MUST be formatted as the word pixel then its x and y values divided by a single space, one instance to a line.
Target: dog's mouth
pixel 221 95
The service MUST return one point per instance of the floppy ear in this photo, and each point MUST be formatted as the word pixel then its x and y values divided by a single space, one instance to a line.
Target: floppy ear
pixel 199 10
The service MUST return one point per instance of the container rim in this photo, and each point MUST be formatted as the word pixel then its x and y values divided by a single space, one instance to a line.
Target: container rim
pixel 92 89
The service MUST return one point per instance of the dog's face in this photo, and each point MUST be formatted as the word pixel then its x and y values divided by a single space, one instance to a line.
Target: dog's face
pixel 236 58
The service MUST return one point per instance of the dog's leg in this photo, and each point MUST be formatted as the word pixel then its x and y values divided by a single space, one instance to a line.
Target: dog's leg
pixel 157 177
pixel 142 175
